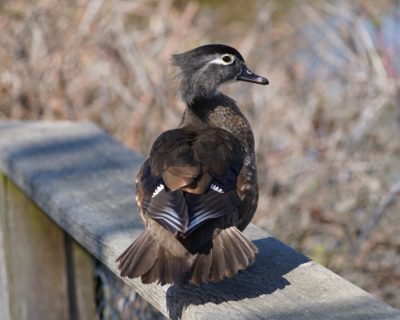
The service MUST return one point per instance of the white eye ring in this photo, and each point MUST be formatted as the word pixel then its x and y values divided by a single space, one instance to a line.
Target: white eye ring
pixel 225 59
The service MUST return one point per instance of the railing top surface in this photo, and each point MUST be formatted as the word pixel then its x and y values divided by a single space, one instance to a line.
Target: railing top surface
pixel 84 180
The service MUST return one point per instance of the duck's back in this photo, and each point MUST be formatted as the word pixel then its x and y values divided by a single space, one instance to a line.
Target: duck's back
pixel 190 178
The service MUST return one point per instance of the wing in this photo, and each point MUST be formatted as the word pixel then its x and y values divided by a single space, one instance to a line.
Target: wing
pixel 190 177
pixel 167 208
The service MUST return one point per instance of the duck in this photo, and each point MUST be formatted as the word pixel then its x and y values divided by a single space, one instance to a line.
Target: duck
pixel 197 190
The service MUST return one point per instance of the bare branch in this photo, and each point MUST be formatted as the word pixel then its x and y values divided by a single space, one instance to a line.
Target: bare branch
pixel 387 200
pixel 90 14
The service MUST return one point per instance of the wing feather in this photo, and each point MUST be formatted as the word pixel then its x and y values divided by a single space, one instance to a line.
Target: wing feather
pixel 211 205
pixel 187 162
pixel 170 210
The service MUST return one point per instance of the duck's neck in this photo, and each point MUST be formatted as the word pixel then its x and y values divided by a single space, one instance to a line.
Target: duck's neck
pixel 219 111
pixel 195 90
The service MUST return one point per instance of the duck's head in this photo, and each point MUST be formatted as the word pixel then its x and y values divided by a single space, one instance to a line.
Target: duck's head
pixel 204 68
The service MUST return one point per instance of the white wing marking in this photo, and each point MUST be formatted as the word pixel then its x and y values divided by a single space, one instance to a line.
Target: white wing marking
pixel 216 188
pixel 158 190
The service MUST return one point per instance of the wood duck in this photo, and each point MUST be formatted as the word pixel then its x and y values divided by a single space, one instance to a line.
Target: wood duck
pixel 198 190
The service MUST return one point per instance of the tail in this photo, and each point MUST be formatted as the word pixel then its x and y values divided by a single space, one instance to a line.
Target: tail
pixel 148 259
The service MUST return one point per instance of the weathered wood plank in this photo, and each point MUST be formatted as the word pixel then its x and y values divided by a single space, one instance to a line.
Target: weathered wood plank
pixel 4 292
pixel 35 260
pixel 84 180
pixel 82 293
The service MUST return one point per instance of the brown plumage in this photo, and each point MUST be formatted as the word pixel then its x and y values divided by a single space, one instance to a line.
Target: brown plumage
pixel 198 189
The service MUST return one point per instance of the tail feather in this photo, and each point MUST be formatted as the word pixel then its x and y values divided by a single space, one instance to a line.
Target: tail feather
pixel 122 259
pixel 139 257
pixel 218 261
pixel 162 264
pixel 231 263
pixel 151 275
pixel 149 259
pixel 241 257
pixel 248 246
pixel 201 269
pixel 178 269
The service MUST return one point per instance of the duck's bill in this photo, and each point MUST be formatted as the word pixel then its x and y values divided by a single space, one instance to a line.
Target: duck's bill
pixel 249 76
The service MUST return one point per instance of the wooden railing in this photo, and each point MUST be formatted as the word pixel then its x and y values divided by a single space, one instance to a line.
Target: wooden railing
pixel 67 193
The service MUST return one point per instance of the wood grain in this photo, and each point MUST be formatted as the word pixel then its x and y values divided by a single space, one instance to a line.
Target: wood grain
pixel 5 313
pixel 35 260
pixel 84 181
pixel 82 292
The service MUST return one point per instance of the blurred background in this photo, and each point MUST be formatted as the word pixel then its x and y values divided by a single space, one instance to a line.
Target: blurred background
pixel 327 127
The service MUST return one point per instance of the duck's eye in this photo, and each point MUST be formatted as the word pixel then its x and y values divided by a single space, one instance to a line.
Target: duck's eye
pixel 227 59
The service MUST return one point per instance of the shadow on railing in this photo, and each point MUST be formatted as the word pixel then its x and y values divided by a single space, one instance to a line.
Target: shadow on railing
pixel 264 277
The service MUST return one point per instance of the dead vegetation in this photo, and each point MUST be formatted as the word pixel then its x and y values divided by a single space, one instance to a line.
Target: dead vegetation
pixel 327 128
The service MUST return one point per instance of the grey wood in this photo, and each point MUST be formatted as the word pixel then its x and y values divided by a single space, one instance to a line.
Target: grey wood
pixel 83 291
pixel 5 313
pixel 35 260
pixel 84 180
